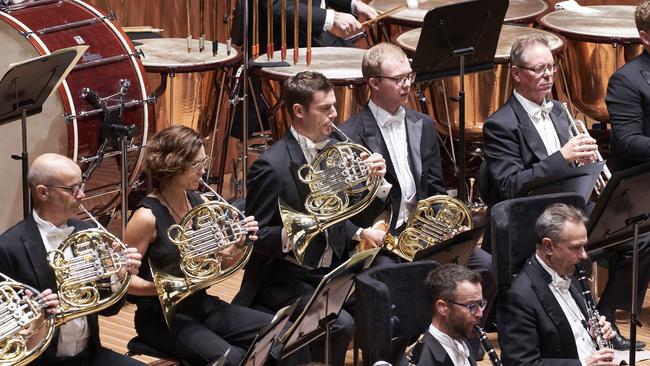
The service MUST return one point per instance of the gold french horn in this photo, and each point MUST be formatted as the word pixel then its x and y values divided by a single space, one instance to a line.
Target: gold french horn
pixel 25 327
pixel 336 174
pixel 87 271
pixel 208 240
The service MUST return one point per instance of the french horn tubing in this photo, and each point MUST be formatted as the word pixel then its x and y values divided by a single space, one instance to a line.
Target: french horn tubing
pixel 209 239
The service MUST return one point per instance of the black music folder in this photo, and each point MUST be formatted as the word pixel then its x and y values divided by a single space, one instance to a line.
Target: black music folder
pixel 580 180
pixel 456 250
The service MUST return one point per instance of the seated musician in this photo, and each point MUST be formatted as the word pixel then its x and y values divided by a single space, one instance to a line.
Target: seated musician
pixel 203 327
pixel 628 95
pixel 527 139
pixel 543 317
pixel 408 141
pixel 273 277
pixel 458 305
pixel 56 192
pixel 332 21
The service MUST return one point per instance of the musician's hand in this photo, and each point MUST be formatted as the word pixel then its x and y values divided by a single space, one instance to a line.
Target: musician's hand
pixel 365 10
pixel 605 328
pixel 580 149
pixel 345 25
pixel 133 260
pixel 252 226
pixel 374 237
pixel 377 164
pixel 603 357
pixel 48 298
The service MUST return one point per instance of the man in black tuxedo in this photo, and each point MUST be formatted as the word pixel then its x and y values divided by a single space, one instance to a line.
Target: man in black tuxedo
pixel 458 305
pixel 56 191
pixel 542 318
pixel 273 277
pixel 628 98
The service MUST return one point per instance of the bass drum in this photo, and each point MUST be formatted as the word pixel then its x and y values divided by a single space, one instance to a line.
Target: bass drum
pixel 32 28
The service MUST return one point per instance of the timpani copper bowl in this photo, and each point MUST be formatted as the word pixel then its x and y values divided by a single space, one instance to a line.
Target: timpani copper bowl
pixel 598 43
pixel 342 66
pixel 485 92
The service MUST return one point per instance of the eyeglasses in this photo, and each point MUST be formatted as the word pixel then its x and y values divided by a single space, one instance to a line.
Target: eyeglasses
pixel 400 80
pixel 472 307
pixel 200 164
pixel 540 69
pixel 73 189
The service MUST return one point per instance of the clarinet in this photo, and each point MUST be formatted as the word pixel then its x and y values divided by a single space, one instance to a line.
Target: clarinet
pixel 594 317
pixel 489 349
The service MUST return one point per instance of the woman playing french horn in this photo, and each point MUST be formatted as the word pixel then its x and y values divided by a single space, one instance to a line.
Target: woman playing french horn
pixel 201 327
pixel 56 192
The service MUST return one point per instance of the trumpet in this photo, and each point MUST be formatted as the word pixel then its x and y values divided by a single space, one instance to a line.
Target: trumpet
pixel 577 127
pixel 26 329
pixel 336 174
pixel 85 279
pixel 205 239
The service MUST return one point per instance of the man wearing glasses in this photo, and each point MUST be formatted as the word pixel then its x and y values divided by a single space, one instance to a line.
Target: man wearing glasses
pixel 458 305
pixel 542 318
pixel 56 190
pixel 528 137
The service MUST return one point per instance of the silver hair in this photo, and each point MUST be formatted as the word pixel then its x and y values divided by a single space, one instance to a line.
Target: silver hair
pixel 551 222
pixel 523 43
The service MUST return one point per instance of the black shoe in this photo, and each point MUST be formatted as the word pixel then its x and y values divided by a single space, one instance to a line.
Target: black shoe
pixel 621 343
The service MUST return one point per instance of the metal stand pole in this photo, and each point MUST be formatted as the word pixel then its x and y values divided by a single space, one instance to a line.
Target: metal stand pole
pixel 124 172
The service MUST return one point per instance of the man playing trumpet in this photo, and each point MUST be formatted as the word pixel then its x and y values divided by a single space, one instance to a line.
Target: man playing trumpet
pixel 56 191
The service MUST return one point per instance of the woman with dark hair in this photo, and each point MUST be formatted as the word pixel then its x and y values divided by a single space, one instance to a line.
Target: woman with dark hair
pixel 203 327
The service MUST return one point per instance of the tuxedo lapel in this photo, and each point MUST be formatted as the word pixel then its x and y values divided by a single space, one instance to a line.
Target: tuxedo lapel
pixel 439 354
pixel 297 160
pixel 374 140
pixel 528 130
pixel 578 297
pixel 38 255
pixel 645 58
pixel 414 142
pixel 557 116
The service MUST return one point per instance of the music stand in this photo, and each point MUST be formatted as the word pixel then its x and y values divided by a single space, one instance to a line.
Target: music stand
pixel 448 47
pixel 23 90
pixel 261 347
pixel 325 305
pixel 621 214
pixel 580 180
pixel 455 250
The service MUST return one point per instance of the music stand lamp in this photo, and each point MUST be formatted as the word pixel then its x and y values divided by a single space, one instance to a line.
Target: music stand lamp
pixel 448 47
pixel 621 214
pixel 325 304
pixel 24 89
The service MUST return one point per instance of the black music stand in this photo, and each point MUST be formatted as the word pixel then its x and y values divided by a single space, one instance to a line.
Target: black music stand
pixel 325 305
pixel 261 347
pixel 449 47
pixel 24 89
pixel 580 180
pixel 621 214
pixel 455 250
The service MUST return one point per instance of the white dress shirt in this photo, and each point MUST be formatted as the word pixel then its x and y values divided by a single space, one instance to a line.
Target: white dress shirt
pixel 393 130
pixel 329 17
pixel 75 333
pixel 542 122
pixel 560 288
pixel 457 351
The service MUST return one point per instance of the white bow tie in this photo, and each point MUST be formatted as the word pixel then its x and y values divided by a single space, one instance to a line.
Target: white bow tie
pixel 59 234
pixel 562 284
pixel 542 110
pixel 396 118
pixel 318 146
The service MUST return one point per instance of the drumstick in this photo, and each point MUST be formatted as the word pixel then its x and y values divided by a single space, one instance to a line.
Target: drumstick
pixel 256 39
pixel 202 25
pixel 215 43
pixel 296 4
pixel 229 27
pixel 269 30
pixel 189 27
pixel 283 29
pixel 309 21
pixel 383 15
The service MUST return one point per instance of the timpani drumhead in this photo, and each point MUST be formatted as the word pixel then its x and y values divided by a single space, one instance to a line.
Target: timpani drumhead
pixel 602 23
pixel 167 54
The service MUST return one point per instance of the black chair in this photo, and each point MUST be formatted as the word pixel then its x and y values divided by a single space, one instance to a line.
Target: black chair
pixel 513 238
pixel 136 346
pixel 392 309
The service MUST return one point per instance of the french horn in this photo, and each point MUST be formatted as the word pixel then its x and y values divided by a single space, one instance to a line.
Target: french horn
pixel 87 269
pixel 432 221
pixel 26 329
pixel 336 178
pixel 209 241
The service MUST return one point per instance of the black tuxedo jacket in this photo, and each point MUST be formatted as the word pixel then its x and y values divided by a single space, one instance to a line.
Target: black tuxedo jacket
pixel 274 175
pixel 23 257
pixel 628 103
pixel 423 149
pixel 515 153
pixel 533 329
pixel 431 353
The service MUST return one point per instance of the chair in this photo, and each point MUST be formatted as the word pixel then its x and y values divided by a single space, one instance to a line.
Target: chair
pixel 392 309
pixel 137 346
pixel 512 236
